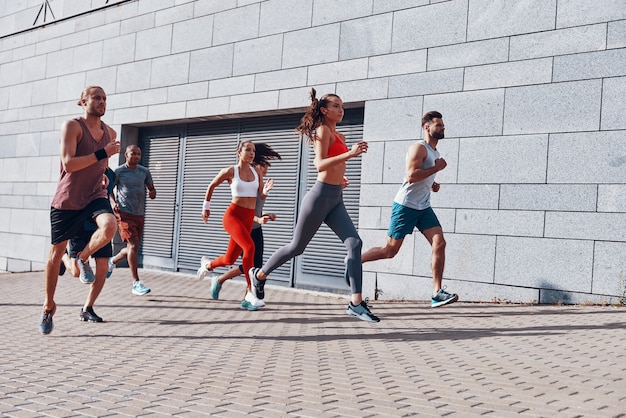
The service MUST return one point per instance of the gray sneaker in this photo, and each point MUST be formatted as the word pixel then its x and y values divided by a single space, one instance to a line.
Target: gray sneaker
pixel 362 311
pixel 86 274
pixel 45 322
pixel 443 298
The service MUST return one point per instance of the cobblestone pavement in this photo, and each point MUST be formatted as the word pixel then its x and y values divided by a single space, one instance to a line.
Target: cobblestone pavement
pixel 177 352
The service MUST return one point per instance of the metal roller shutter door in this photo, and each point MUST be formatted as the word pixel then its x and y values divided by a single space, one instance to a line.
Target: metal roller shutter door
pixel 161 157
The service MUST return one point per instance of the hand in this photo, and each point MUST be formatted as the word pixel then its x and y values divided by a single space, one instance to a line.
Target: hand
pixel 344 182
pixel 105 181
pixel 152 193
pixel 440 164
pixel 269 185
pixel 112 148
pixel 435 187
pixel 359 148
pixel 205 215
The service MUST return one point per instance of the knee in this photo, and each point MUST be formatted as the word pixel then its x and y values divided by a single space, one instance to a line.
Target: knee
pixel 390 251
pixel 439 245
pixel 109 227
pixel 354 245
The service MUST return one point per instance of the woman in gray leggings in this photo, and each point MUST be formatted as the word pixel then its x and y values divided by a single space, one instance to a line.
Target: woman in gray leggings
pixel 324 202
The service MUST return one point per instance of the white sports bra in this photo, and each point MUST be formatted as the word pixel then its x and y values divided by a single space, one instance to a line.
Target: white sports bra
pixel 240 188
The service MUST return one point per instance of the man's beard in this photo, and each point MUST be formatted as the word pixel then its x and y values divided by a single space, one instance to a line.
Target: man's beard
pixel 437 135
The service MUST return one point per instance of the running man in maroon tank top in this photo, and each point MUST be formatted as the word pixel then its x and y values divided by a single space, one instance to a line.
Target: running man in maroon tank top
pixel 86 145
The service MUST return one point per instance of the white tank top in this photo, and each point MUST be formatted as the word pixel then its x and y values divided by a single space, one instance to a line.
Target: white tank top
pixel 240 188
pixel 417 195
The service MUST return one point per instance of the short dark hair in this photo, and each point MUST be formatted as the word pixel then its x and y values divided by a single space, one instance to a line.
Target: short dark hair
pixel 429 116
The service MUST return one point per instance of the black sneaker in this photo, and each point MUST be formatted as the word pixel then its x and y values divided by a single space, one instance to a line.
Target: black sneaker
pixel 362 311
pixel 259 285
pixel 89 315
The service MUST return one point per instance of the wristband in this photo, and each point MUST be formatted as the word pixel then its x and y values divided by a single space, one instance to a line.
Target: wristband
pixel 206 205
pixel 101 154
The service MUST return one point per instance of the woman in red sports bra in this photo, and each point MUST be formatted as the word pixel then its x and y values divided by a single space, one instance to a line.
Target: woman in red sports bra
pixel 324 202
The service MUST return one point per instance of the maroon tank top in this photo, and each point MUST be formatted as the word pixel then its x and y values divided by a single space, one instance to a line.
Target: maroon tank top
pixel 337 147
pixel 76 190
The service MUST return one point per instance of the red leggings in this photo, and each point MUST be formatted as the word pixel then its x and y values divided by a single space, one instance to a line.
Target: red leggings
pixel 237 222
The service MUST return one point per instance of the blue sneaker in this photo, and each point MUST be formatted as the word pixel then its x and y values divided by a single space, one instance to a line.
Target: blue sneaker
pixel 216 286
pixel 247 306
pixel 86 274
pixel 45 322
pixel 443 298
pixel 140 289
pixel 111 267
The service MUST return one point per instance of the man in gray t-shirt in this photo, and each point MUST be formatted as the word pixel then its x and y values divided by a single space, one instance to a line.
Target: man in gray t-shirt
pixel 129 204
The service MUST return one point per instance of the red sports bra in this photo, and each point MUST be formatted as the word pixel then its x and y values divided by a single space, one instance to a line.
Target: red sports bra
pixel 337 147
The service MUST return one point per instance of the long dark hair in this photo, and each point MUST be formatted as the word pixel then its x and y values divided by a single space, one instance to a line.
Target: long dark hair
pixel 263 154
pixel 313 117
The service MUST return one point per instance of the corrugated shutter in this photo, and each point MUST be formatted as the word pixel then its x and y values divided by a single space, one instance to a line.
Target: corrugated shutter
pixel 209 147
pixel 324 256
pixel 161 157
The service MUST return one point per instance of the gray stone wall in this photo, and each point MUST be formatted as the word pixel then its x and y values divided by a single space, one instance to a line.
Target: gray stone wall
pixel 532 92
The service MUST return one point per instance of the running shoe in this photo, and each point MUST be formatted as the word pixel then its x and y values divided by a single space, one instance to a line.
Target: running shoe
pixel 88 315
pixel 250 297
pixel 216 286
pixel 259 285
pixel 111 267
pixel 203 271
pixel 362 311
pixel 86 274
pixel 247 306
pixel 45 322
pixel 443 298
pixel 139 288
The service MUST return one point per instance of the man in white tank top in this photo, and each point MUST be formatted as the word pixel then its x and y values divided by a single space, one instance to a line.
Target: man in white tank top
pixel 411 207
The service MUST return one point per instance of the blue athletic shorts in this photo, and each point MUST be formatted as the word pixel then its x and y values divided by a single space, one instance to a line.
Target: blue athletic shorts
pixel 404 219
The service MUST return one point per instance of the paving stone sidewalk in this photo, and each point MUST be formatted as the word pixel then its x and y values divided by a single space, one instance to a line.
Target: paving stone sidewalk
pixel 177 352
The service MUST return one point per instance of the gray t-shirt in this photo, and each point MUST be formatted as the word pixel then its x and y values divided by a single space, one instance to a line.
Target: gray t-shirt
pixel 130 188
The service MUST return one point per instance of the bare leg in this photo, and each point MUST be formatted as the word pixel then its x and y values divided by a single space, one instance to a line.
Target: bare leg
pixel 70 265
pixel 391 248
pixel 438 244
pixel 107 225
pixel 52 273
pixel 95 288
pixel 230 274
pixel 120 256
pixel 132 247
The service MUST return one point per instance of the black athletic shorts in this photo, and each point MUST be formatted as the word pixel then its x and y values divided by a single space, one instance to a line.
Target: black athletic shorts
pixel 79 242
pixel 66 224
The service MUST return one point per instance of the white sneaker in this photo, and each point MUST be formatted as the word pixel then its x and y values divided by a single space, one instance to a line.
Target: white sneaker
pixel 203 271
pixel 250 297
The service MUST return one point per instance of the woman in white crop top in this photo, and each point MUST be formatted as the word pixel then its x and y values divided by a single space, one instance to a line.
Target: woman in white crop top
pixel 246 183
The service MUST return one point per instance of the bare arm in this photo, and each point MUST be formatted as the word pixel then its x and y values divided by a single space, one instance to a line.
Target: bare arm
pixel 416 156
pixel 324 137
pixel 151 191
pixel 226 174
pixel 71 134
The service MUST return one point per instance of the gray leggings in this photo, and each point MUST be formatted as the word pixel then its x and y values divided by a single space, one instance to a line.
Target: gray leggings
pixel 323 203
